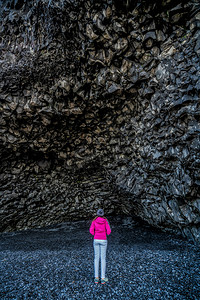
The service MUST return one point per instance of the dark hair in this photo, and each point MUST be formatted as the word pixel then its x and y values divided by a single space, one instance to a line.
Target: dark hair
pixel 100 217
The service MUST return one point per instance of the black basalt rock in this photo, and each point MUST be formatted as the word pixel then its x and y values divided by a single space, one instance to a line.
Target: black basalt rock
pixel 99 104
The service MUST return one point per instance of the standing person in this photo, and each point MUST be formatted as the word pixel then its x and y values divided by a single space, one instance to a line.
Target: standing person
pixel 100 228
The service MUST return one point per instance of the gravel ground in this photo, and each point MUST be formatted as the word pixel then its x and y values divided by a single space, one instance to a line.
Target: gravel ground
pixel 57 263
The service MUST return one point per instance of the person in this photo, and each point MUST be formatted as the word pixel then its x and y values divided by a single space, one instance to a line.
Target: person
pixel 100 228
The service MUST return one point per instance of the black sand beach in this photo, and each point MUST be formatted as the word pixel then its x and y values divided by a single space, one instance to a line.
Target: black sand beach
pixel 56 262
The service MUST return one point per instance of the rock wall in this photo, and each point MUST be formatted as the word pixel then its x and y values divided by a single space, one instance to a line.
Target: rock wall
pixel 100 107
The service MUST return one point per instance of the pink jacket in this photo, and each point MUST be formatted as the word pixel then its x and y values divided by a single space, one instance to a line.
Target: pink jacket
pixel 100 228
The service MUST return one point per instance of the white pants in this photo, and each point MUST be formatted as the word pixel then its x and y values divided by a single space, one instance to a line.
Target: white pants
pixel 100 247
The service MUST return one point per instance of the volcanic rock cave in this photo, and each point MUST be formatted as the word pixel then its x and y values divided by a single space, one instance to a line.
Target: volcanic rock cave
pixel 99 105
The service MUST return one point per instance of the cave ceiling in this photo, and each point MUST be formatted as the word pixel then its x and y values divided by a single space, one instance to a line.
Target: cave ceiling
pixel 99 105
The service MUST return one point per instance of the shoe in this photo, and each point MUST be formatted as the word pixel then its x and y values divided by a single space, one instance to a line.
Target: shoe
pixel 96 280
pixel 104 280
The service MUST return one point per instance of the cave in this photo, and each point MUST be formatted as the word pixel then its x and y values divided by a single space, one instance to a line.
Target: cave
pixel 99 105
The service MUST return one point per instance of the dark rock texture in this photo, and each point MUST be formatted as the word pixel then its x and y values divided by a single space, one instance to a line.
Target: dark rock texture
pixel 57 263
pixel 100 107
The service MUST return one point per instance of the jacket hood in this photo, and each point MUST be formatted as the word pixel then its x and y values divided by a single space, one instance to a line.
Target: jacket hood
pixel 100 220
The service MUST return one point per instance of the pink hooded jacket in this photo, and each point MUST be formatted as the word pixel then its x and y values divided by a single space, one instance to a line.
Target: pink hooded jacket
pixel 100 228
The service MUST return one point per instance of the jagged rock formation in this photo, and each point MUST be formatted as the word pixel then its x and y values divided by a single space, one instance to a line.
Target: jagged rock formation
pixel 100 107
